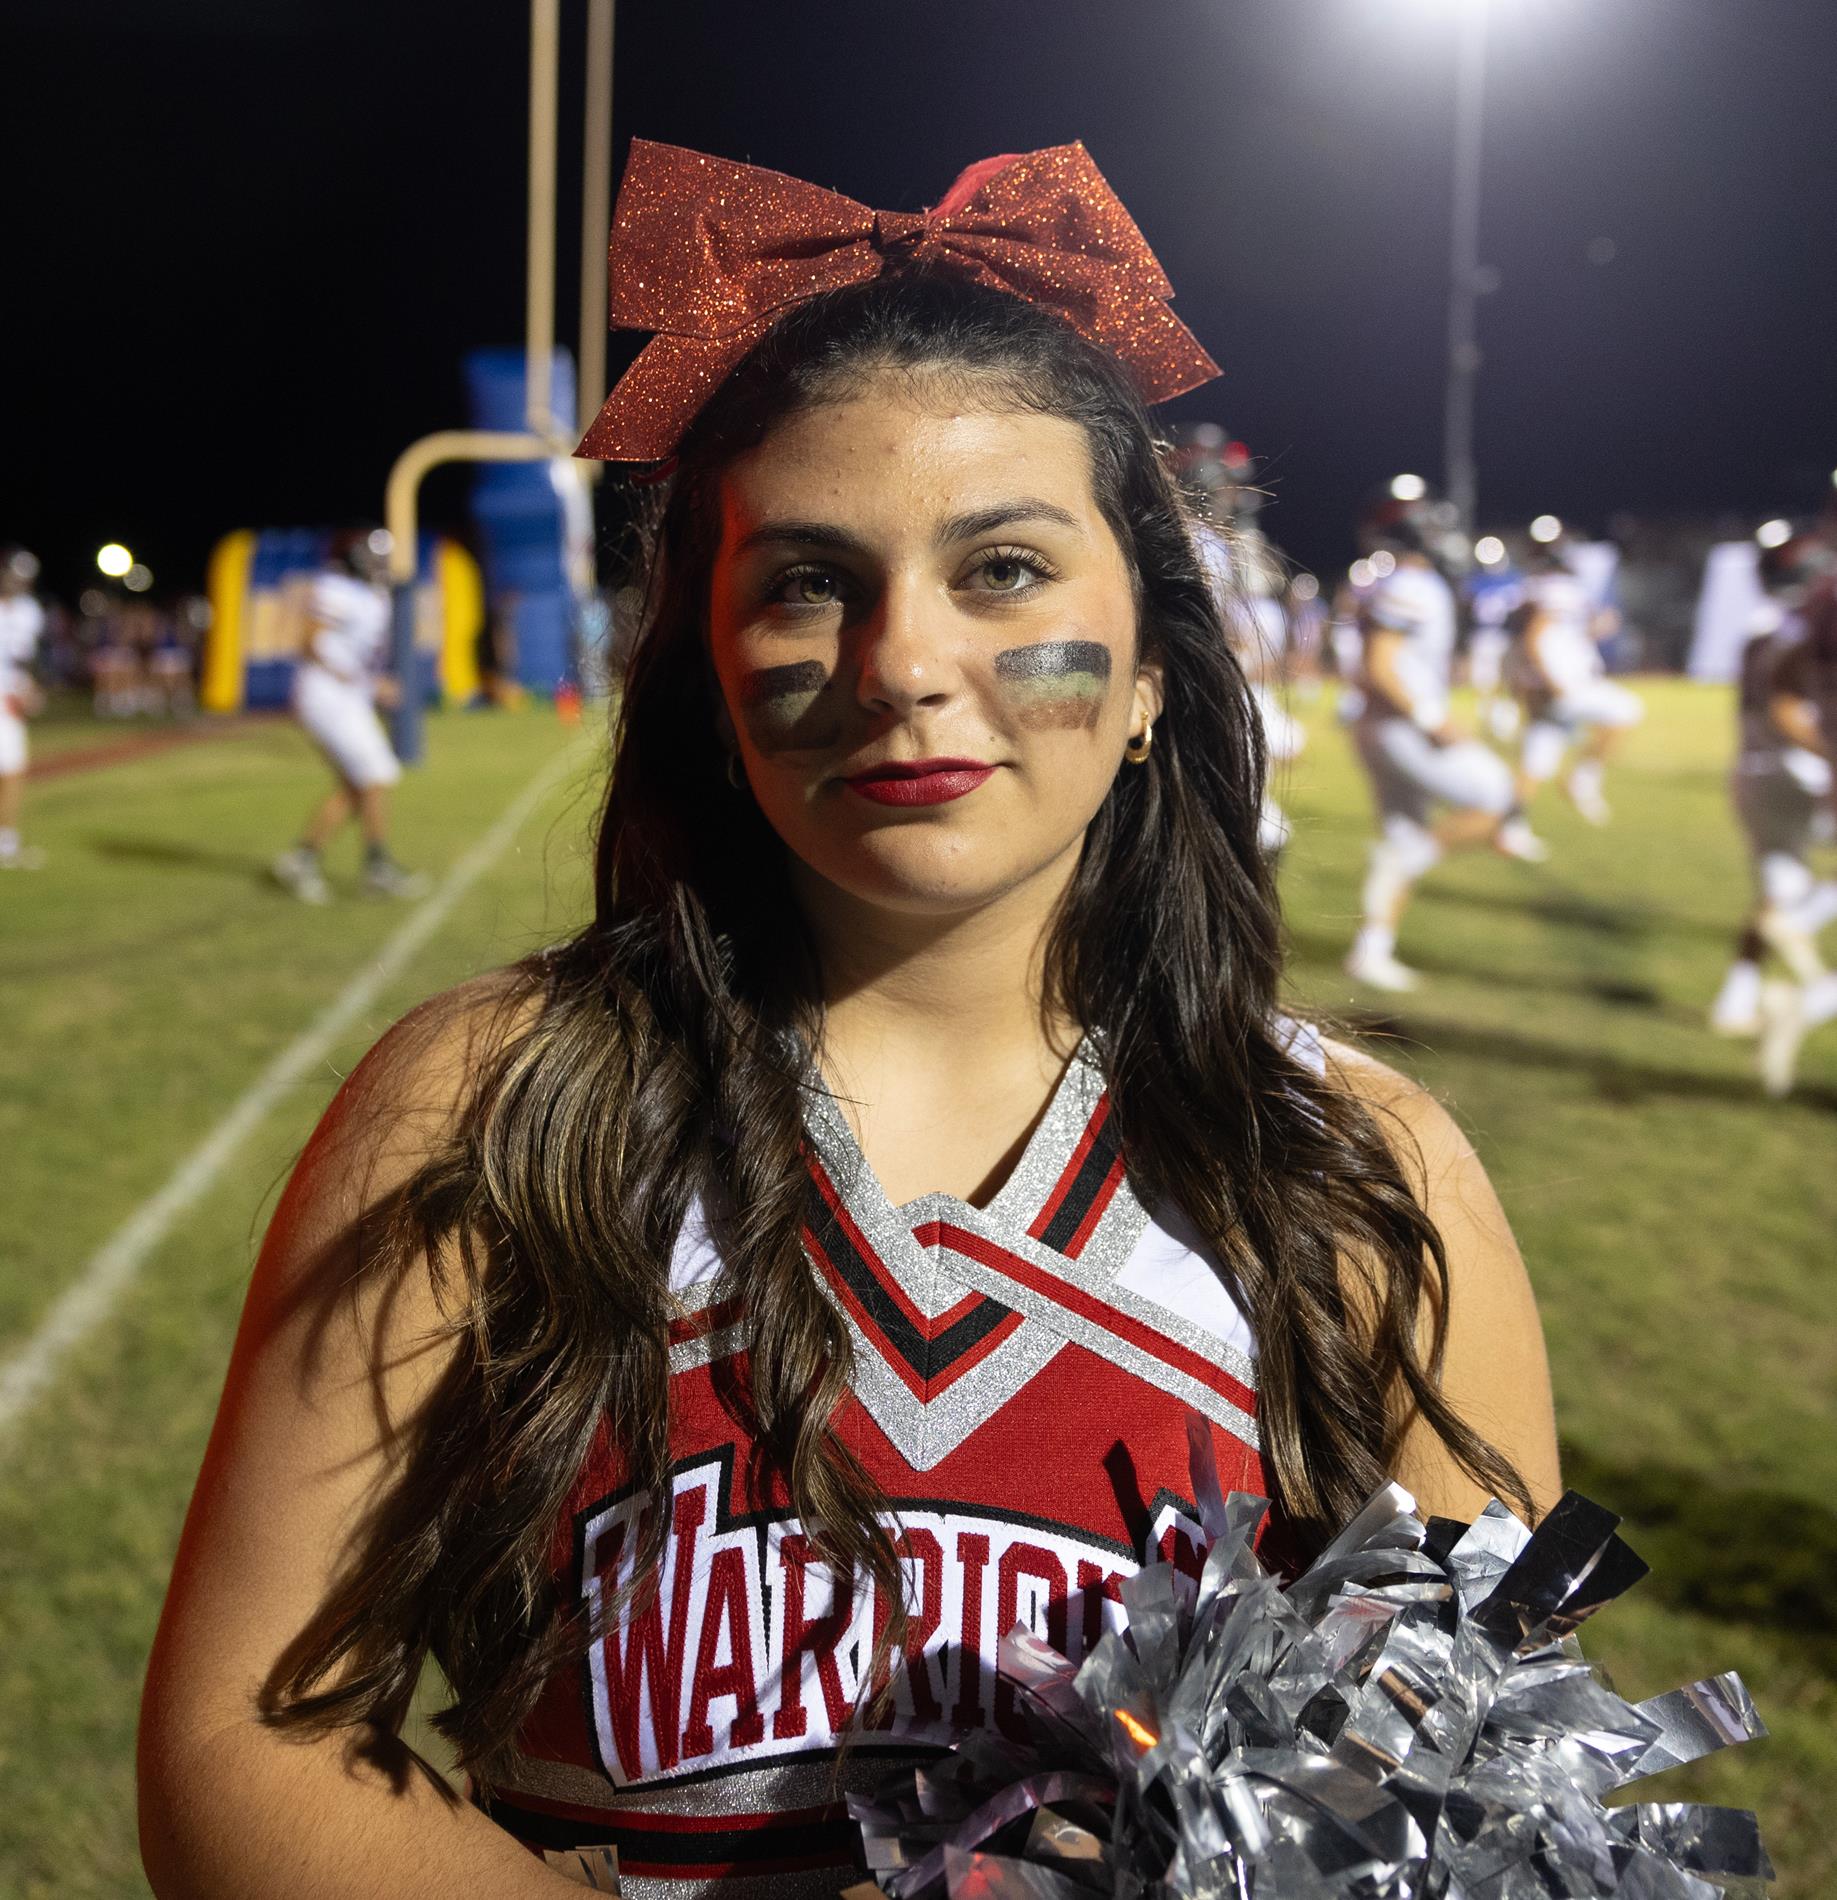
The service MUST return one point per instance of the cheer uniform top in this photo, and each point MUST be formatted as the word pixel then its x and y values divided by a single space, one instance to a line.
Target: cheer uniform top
pixel 1024 1376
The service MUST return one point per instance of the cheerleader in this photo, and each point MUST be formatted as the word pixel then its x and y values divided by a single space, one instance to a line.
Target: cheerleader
pixel 337 687
pixel 708 1339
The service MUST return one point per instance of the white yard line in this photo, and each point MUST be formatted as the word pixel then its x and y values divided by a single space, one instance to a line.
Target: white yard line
pixel 86 1304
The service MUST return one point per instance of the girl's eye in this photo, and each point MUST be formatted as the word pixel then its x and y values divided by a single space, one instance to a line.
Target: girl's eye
pixel 1010 571
pixel 805 587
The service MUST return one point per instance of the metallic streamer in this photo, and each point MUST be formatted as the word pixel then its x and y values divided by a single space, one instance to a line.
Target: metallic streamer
pixel 1410 1719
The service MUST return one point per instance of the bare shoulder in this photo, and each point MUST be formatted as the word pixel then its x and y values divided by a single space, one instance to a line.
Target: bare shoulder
pixel 353 1314
pixel 406 1098
pixel 427 1064
pixel 1493 1365
pixel 396 1112
pixel 1427 1141
pixel 345 1340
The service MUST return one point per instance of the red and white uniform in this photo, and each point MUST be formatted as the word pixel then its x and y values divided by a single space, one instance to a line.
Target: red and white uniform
pixel 22 620
pixel 334 685
pixel 1024 1374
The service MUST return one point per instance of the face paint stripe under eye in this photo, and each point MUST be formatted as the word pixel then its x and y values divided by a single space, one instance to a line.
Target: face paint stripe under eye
pixel 1059 662
pixel 780 682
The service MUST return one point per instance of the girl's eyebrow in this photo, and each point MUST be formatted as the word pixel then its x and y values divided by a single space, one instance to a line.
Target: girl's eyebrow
pixel 961 527
pixel 803 534
pixel 1002 514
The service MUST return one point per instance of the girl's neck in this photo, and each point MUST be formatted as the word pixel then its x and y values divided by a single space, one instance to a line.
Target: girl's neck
pixel 923 988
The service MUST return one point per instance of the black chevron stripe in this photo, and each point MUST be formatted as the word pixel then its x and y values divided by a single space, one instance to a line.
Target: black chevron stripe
pixel 1097 1163
pixel 928 1358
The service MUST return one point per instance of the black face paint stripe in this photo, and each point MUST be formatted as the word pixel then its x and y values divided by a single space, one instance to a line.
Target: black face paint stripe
pixel 1053 659
pixel 779 682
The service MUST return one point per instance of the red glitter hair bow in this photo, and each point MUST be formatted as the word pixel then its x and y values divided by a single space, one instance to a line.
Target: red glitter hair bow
pixel 708 254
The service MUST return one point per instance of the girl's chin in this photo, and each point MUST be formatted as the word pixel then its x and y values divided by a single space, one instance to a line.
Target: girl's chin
pixel 928 882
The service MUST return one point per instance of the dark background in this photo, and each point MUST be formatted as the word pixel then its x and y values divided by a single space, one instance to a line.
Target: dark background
pixel 249 239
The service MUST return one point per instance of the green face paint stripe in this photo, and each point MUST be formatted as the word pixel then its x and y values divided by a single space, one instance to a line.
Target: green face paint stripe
pixel 1062 666
pixel 768 683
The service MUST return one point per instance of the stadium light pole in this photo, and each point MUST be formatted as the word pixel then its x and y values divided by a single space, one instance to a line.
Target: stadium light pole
pixel 1460 471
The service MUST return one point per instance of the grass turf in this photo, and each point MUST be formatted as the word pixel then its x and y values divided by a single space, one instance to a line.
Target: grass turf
pixel 1677 1226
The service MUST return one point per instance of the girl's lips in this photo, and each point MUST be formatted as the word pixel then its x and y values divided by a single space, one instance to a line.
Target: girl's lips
pixel 921 782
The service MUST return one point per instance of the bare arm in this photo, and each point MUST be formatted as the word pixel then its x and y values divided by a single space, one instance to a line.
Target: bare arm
pixel 1495 1373
pixel 324 1386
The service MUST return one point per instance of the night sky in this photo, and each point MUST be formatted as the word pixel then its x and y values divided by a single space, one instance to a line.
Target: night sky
pixel 250 239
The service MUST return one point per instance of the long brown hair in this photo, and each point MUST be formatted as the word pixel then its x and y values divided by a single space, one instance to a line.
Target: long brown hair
pixel 655 1058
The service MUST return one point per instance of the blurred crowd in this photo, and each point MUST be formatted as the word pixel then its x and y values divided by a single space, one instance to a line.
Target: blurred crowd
pixel 131 657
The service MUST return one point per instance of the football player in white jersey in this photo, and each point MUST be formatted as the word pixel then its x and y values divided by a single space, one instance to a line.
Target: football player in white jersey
pixel 1436 787
pixel 1781 790
pixel 1568 698
pixel 22 620
pixel 337 687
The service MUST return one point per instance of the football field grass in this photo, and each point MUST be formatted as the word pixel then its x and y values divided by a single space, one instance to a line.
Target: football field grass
pixel 1679 1228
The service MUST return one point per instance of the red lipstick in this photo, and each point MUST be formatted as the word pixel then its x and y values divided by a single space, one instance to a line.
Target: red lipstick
pixel 918 781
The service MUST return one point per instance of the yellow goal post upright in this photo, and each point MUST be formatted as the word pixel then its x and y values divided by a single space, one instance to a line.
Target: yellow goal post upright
pixel 542 438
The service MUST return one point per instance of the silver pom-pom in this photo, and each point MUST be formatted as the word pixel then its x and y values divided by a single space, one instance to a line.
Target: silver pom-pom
pixel 1410 1719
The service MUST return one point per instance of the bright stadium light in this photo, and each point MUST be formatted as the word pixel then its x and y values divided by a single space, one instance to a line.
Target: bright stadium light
pixel 138 578
pixel 1304 587
pixel 1773 534
pixel 1382 563
pixel 1408 488
pixel 1489 550
pixel 114 560
pixel 1360 574
pixel 1546 528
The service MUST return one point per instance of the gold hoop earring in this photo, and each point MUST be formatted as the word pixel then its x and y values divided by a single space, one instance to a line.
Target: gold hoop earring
pixel 736 774
pixel 1139 747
